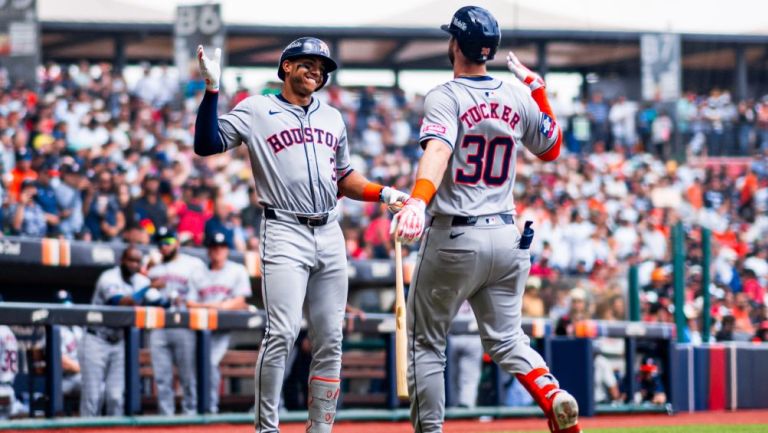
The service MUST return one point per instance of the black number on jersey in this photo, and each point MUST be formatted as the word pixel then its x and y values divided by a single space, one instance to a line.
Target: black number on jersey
pixel 482 160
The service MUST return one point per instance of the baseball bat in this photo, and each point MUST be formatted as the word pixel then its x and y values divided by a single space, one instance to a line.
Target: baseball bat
pixel 401 338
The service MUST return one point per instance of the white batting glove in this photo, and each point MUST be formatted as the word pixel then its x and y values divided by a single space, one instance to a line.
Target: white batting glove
pixel 394 199
pixel 210 69
pixel 528 77
pixel 408 224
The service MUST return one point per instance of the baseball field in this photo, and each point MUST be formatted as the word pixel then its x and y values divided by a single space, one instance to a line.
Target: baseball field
pixel 744 421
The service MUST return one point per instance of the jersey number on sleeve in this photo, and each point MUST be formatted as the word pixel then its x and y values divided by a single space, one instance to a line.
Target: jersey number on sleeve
pixel 482 160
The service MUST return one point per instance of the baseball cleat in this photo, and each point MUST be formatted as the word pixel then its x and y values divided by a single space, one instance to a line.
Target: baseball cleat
pixel 565 411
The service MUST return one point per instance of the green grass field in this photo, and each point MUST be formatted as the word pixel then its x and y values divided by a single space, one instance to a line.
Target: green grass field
pixel 685 429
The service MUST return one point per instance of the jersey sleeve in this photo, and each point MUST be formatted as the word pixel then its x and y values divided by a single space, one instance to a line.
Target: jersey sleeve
pixel 106 289
pixel 196 282
pixel 242 285
pixel 441 117
pixel 235 126
pixel 540 129
pixel 343 165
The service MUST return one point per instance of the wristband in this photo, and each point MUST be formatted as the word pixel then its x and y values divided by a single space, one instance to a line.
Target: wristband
pixel 423 190
pixel 372 192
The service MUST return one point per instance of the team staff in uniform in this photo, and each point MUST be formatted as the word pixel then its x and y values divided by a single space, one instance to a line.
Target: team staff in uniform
pixel 102 351
pixel 224 285
pixel 473 250
pixel 173 346
pixel 300 161
pixel 9 367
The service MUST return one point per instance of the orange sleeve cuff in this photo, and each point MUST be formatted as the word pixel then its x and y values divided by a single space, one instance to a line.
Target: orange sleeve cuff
pixel 540 96
pixel 424 190
pixel 372 191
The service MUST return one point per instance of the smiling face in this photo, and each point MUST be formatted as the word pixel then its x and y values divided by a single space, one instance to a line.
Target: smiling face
pixel 304 74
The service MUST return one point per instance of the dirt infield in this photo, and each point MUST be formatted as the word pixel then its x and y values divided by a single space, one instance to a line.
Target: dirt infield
pixel 459 426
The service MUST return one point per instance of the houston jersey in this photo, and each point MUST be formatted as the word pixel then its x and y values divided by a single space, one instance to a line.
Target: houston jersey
pixel 215 286
pixel 296 156
pixel 9 356
pixel 483 120
pixel 177 274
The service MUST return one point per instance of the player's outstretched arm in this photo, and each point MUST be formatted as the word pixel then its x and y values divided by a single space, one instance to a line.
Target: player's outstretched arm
pixel 355 186
pixel 547 124
pixel 408 224
pixel 207 138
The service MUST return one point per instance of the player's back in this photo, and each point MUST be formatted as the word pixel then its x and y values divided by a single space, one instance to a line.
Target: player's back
pixel 484 120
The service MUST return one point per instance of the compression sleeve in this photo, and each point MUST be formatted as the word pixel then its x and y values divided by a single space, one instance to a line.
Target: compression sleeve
pixel 207 138
pixel 547 125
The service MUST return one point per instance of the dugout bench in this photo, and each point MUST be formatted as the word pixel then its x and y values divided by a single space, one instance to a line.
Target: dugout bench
pixel 570 357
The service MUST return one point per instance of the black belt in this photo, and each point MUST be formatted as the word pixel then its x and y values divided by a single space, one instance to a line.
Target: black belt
pixel 307 220
pixel 111 339
pixel 472 220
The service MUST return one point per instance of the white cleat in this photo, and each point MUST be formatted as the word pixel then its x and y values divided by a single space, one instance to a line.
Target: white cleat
pixel 566 411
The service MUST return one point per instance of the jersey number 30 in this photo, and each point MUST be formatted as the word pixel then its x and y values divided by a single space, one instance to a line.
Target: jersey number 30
pixel 482 159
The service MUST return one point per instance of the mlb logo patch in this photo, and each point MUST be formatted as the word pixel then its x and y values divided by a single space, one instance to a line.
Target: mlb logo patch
pixel 433 128
pixel 485 51
pixel 546 125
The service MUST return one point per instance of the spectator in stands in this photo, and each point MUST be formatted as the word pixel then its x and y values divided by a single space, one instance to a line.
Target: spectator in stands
pixel 104 221
pixel 69 201
pixel 193 214
pixel 597 111
pixel 761 335
pixel 651 387
pixel 727 327
pixel 27 217
pixel 22 171
pixel 224 285
pixel 377 232
pixel 46 198
pixel 222 222
pixel 533 305
pixel 102 355
pixel 149 209
pixel 251 217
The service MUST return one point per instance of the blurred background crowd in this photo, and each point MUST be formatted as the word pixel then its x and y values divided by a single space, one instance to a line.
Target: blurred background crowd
pixel 89 157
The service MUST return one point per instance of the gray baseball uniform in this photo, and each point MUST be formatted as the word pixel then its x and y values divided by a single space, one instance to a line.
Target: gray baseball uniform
pixel 470 251
pixel 215 286
pixel 70 341
pixel 102 352
pixel 465 358
pixel 9 367
pixel 175 346
pixel 297 157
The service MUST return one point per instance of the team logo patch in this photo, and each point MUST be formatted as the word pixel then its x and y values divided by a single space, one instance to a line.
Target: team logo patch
pixel 433 128
pixel 546 125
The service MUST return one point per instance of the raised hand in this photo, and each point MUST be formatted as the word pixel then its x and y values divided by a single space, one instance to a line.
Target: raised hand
pixel 528 77
pixel 210 69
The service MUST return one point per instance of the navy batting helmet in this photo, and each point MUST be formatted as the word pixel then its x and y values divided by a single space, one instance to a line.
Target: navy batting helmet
pixel 308 47
pixel 476 31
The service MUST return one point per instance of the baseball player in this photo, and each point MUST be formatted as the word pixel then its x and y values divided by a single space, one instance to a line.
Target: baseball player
pixel 71 337
pixel 300 161
pixel 473 250
pixel 465 356
pixel 173 346
pixel 224 285
pixel 9 366
pixel 102 352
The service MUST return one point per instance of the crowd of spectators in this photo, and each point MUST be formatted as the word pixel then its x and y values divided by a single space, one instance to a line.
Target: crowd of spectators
pixel 89 157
